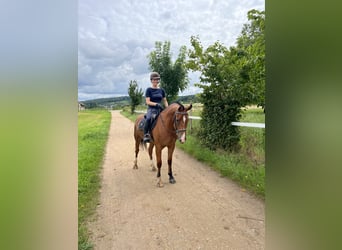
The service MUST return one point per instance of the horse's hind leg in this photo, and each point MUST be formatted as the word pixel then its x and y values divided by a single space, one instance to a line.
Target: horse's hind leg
pixel 135 166
pixel 169 163
pixel 150 150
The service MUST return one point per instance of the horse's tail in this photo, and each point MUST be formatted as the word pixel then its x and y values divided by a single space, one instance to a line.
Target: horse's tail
pixel 137 135
pixel 143 144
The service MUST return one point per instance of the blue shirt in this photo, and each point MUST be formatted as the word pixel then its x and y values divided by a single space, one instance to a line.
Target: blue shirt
pixel 155 95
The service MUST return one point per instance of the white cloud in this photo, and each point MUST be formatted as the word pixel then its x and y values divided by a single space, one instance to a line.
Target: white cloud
pixel 115 38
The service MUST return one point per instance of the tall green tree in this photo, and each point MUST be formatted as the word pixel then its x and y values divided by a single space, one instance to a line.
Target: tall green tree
pixel 220 97
pixel 135 94
pixel 251 46
pixel 174 75
pixel 231 79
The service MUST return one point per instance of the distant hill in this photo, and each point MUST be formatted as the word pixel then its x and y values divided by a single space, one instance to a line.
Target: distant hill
pixel 121 101
pixel 111 102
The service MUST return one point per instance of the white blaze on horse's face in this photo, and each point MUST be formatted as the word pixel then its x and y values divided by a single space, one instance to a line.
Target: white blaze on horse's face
pixel 182 138
pixel 183 135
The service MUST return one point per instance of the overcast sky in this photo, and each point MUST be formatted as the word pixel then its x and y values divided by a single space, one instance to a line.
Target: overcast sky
pixel 116 37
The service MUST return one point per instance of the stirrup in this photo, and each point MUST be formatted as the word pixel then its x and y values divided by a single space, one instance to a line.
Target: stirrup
pixel 147 138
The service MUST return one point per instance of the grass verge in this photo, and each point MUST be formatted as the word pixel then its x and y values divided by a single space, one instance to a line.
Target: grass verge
pixel 235 166
pixel 93 128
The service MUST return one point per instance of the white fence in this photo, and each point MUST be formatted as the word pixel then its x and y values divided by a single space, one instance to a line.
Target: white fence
pixel 241 124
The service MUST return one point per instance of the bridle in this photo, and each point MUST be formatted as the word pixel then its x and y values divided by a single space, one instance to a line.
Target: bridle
pixel 175 122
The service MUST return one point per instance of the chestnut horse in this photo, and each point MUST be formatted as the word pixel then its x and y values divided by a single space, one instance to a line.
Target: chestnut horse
pixel 171 125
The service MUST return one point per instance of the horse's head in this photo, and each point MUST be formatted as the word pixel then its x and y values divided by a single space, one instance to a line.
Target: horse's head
pixel 181 119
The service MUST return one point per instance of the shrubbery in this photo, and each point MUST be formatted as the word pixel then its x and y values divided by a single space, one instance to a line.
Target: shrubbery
pixel 231 79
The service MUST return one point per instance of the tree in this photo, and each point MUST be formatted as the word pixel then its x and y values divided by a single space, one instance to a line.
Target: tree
pixel 135 94
pixel 174 76
pixel 220 97
pixel 251 45
pixel 231 79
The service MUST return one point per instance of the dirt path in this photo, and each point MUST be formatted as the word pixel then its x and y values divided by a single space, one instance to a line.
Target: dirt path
pixel 201 211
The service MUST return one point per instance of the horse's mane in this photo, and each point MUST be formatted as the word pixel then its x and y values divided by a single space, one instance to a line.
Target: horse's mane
pixel 173 106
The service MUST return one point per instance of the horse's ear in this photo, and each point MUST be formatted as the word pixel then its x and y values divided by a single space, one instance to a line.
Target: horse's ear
pixel 188 108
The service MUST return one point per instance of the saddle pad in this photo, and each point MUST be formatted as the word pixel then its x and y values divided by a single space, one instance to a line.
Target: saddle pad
pixel 154 117
pixel 141 124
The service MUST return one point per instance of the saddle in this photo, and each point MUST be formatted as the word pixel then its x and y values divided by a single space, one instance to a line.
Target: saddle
pixel 154 118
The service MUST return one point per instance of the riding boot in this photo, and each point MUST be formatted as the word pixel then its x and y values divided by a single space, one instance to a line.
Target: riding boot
pixel 147 136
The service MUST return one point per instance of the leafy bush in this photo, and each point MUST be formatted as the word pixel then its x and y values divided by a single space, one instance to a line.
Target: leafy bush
pixel 230 78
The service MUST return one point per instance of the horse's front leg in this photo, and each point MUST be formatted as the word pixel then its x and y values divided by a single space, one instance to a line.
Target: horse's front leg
pixel 169 163
pixel 159 164
pixel 150 150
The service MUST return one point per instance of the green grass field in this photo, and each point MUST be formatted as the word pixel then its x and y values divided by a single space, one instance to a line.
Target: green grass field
pixel 93 128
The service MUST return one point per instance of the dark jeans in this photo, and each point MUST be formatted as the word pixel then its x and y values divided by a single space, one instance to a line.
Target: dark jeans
pixel 151 112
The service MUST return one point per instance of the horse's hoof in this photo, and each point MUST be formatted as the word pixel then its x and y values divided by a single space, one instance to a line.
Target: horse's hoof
pixel 135 167
pixel 160 185
pixel 154 169
pixel 172 181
